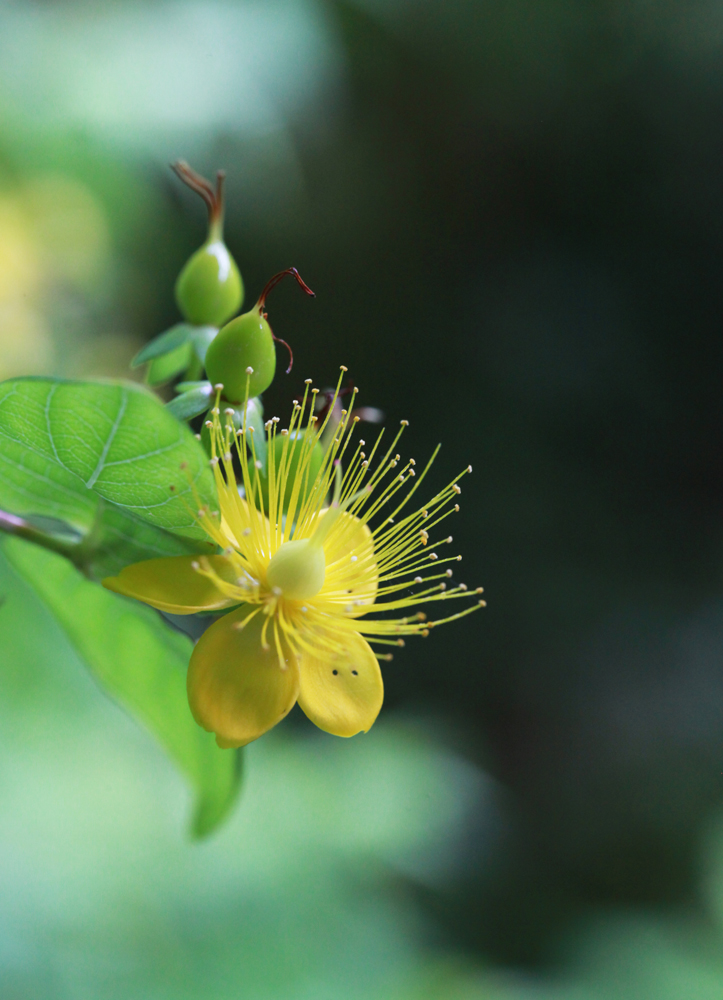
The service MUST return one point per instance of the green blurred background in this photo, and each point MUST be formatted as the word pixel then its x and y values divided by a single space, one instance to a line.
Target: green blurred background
pixel 512 216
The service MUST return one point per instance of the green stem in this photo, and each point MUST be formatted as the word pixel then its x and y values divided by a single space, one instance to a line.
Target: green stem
pixel 79 553
pixel 195 369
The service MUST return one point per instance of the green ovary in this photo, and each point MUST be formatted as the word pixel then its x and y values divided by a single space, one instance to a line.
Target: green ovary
pixel 297 570
pixel 209 289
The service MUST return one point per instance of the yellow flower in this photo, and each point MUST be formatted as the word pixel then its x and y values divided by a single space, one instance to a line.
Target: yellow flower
pixel 304 581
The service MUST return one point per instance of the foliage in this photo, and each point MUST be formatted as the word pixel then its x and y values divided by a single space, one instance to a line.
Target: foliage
pixel 141 664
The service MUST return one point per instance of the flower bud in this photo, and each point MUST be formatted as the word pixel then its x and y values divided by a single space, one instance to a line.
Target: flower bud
pixel 209 288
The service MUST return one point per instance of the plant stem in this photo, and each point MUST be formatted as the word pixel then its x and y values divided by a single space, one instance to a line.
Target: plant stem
pixel 77 552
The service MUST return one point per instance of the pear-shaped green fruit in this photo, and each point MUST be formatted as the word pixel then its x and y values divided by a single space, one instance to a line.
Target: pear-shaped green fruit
pixel 298 445
pixel 245 342
pixel 242 357
pixel 209 289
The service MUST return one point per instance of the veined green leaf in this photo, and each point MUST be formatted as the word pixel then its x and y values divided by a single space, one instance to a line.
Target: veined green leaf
pixel 141 663
pixel 65 444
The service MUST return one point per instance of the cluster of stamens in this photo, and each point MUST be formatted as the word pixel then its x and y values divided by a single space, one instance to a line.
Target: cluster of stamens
pixel 380 569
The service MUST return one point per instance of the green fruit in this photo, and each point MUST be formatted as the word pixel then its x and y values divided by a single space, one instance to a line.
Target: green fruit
pixel 245 342
pixel 209 289
pixel 309 476
pixel 242 357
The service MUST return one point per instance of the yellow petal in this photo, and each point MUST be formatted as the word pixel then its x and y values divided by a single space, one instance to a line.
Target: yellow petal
pixel 237 689
pixel 342 693
pixel 351 569
pixel 173 585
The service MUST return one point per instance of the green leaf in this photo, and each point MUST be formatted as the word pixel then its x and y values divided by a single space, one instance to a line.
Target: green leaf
pixel 169 342
pixel 169 365
pixel 119 539
pixel 190 404
pixel 187 386
pixel 202 337
pixel 255 420
pixel 164 343
pixel 141 663
pixel 255 430
pixel 64 445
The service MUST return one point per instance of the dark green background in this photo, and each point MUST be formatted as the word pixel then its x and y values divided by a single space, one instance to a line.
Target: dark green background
pixel 512 216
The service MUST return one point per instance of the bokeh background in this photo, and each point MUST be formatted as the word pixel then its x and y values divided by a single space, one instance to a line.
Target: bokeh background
pixel 512 216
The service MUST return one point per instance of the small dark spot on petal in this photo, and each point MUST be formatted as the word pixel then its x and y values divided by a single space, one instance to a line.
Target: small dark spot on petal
pixel 335 672
pixel 355 672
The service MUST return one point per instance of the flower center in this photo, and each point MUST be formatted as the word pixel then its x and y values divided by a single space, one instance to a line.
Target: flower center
pixel 298 569
pixel 299 566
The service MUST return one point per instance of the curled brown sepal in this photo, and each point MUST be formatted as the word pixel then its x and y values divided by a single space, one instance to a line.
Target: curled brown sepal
pixel 278 340
pixel 212 196
pixel 272 283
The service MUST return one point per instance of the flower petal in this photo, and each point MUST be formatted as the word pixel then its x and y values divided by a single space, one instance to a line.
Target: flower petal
pixel 351 568
pixel 342 693
pixel 173 584
pixel 236 688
